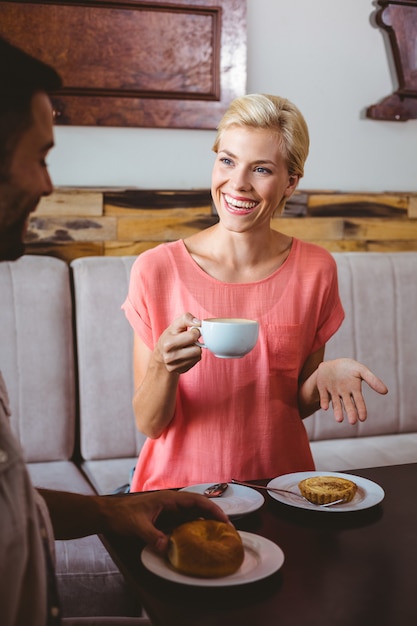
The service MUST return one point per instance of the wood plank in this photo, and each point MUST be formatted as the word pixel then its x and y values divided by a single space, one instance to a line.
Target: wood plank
pixel 393 199
pixel 310 228
pixel 117 248
pixel 341 245
pixel 62 229
pixel 72 202
pixel 315 228
pixel 158 198
pixel 296 206
pixel 357 205
pixel 66 251
pixel 379 229
pixel 161 229
pixel 412 207
pixel 392 246
pixel 367 246
pixel 176 213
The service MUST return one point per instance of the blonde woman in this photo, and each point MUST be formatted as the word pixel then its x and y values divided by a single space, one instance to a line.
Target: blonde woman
pixel 210 419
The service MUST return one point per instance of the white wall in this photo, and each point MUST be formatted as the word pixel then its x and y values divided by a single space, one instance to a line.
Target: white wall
pixel 325 56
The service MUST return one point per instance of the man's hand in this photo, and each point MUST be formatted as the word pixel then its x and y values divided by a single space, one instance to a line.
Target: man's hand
pixel 146 514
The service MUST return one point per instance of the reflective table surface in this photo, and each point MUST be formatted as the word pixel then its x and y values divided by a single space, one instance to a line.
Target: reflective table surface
pixel 341 569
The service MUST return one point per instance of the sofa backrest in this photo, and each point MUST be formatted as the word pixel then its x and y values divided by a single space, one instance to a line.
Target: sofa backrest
pixel 378 291
pixel 105 358
pixel 36 355
pixel 379 294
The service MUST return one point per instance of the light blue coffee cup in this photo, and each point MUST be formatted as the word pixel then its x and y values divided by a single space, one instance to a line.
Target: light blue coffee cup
pixel 228 338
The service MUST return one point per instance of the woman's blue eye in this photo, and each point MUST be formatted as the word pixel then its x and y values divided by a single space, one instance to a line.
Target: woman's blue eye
pixel 226 161
pixel 263 170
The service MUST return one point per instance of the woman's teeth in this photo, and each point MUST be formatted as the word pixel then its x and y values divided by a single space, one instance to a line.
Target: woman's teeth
pixel 240 204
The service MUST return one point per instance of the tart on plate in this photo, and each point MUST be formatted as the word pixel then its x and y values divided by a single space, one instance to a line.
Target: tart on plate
pixel 326 489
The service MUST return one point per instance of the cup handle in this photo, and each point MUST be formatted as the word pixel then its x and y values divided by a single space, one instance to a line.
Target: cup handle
pixel 198 343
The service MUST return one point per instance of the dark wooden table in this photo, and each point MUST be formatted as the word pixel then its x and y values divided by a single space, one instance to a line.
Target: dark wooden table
pixel 341 569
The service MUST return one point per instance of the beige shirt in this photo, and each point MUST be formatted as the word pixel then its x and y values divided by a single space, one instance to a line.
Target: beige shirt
pixel 24 528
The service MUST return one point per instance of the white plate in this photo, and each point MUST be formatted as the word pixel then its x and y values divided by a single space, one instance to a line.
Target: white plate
pixel 368 493
pixel 236 500
pixel 262 558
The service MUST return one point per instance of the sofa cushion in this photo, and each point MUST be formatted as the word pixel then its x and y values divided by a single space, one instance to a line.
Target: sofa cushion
pixel 105 367
pixel 59 475
pixel 37 359
pixel 379 294
pixel 347 453
pixel 89 582
pixel 109 475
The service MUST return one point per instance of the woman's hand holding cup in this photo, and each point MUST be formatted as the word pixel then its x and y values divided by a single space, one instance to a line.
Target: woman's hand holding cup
pixel 177 346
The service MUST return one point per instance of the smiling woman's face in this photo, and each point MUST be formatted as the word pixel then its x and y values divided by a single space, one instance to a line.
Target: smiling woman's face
pixel 28 178
pixel 250 177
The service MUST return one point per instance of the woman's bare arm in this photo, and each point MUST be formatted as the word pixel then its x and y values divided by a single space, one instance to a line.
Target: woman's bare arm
pixel 308 394
pixel 157 372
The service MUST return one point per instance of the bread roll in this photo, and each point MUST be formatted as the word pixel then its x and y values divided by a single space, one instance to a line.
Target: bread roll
pixel 326 489
pixel 206 549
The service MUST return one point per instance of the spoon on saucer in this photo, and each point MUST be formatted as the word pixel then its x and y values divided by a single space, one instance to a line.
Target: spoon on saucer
pixel 216 490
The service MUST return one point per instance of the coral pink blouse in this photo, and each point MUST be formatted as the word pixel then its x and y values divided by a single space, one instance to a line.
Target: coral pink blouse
pixel 234 418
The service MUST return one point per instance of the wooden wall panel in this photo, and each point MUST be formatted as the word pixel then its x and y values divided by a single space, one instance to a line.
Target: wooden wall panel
pixel 134 63
pixel 80 222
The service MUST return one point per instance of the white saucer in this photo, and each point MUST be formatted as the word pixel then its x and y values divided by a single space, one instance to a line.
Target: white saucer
pixel 235 501
pixel 262 558
pixel 368 493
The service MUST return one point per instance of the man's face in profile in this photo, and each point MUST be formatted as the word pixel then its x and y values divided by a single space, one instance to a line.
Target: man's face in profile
pixel 28 178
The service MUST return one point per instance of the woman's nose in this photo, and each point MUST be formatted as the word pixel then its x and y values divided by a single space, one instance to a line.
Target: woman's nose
pixel 240 179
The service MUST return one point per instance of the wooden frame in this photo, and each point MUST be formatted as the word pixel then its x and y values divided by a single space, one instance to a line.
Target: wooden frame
pixel 398 18
pixel 134 63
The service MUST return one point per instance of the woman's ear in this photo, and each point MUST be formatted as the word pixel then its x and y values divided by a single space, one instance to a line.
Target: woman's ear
pixel 292 184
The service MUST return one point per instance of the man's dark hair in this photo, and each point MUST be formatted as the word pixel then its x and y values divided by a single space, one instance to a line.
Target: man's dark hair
pixel 21 76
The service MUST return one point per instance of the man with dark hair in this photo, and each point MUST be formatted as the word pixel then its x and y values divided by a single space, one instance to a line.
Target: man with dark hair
pixel 27 516
pixel 21 77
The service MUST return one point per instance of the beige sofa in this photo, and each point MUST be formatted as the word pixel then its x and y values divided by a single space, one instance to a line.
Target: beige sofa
pixel 38 363
pixel 66 356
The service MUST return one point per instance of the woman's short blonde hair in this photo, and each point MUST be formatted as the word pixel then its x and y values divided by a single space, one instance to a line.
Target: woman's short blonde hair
pixel 276 113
